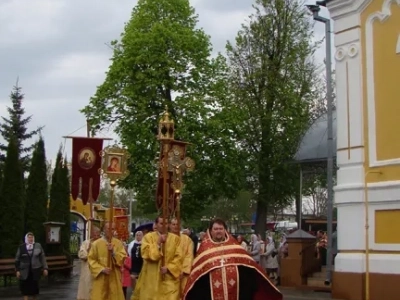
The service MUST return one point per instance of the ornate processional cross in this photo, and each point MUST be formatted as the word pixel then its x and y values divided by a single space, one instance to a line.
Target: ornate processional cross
pixel 178 167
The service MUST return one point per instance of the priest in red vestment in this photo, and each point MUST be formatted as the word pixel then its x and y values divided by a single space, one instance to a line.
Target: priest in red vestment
pixel 222 270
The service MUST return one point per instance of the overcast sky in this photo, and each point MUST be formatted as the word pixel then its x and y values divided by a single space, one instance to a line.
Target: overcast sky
pixel 58 50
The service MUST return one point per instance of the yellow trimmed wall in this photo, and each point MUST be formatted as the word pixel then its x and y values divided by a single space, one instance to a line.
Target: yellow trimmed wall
pixel 100 212
pixel 387 224
pixel 386 66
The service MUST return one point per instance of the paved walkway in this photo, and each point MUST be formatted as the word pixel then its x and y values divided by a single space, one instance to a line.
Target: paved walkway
pixel 67 289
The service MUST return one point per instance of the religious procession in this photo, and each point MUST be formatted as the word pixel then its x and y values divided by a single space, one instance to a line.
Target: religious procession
pixel 247 164
pixel 166 262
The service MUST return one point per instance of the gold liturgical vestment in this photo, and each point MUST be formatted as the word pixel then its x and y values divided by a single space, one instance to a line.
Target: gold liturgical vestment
pixel 85 279
pixel 187 259
pixel 106 287
pixel 151 285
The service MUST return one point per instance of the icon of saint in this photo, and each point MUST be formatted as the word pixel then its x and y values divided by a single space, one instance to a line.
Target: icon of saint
pixel 114 167
pixel 86 161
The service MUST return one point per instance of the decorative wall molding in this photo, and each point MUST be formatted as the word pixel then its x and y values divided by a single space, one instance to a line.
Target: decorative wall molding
pixel 381 16
pixel 343 52
pixel 398 45
pixel 341 8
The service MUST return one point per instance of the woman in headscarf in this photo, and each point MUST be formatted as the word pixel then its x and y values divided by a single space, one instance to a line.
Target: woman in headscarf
pixel 272 262
pixel 282 253
pixel 136 259
pixel 30 263
pixel 283 247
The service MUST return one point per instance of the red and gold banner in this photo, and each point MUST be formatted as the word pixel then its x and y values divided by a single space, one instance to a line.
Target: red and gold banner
pixel 86 162
pixel 172 201
pixel 121 226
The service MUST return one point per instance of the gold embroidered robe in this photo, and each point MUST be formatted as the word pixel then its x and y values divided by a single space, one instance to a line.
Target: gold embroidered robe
pixel 187 259
pixel 151 285
pixel 85 278
pixel 106 287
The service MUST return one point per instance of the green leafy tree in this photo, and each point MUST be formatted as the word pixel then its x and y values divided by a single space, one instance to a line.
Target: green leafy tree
pixel 12 203
pixel 59 210
pixel 237 209
pixel 272 77
pixel 16 126
pixel 163 58
pixel 37 193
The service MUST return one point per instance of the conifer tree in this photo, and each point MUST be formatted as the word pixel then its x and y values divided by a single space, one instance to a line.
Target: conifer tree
pixel 37 193
pixel 12 202
pixel 65 206
pixel 54 212
pixel 59 210
pixel 16 125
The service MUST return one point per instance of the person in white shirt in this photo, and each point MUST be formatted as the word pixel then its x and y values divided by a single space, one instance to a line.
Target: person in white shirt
pixel 242 242
pixel 138 238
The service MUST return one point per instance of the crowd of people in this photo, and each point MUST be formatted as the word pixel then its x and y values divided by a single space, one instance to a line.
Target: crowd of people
pixel 172 265
pixel 266 253
pixel 164 264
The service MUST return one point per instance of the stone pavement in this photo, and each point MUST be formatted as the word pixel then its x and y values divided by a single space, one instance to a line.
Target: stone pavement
pixel 67 289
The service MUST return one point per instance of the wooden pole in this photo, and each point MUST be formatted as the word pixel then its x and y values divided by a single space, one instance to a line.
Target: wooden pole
pixel 88 129
pixel 111 220
pixel 165 197
pixel 110 236
pixel 90 190
pixel 90 207
pixel 96 138
pixel 178 210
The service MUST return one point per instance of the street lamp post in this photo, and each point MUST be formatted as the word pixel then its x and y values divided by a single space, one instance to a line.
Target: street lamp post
pixel 315 11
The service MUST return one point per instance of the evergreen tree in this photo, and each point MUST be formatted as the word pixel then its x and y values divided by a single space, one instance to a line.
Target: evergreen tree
pixel 12 202
pixel 59 204
pixel 65 206
pixel 17 126
pixel 37 193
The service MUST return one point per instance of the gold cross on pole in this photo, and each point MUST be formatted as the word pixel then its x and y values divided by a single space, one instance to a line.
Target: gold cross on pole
pixel 179 166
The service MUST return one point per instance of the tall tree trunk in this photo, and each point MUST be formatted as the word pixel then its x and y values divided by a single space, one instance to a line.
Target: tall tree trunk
pixel 261 218
pixel 263 197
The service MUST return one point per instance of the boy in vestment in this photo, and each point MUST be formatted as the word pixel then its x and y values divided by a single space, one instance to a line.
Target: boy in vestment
pixel 107 283
pixel 158 281
pixel 187 246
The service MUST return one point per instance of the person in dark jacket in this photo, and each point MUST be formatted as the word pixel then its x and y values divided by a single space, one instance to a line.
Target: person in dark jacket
pixel 136 258
pixel 195 240
pixel 30 263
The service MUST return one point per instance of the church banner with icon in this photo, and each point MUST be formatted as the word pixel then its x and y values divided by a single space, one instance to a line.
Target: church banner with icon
pixel 121 227
pixel 86 162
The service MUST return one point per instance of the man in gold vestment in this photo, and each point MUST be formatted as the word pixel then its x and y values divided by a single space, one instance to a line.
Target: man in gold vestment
pixel 107 283
pixel 157 281
pixel 223 270
pixel 187 246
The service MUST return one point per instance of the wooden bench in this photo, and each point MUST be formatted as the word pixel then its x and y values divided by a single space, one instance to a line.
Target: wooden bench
pixel 59 263
pixel 54 263
pixel 7 269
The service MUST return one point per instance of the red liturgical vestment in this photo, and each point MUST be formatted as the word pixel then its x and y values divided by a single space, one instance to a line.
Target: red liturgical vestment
pixel 224 271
